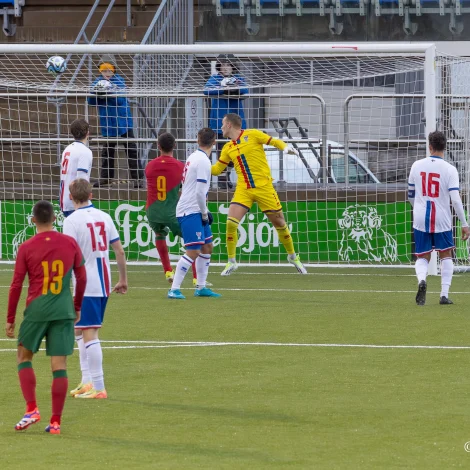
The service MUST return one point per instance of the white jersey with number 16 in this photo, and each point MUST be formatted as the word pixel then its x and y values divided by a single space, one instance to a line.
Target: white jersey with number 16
pixel 94 232
pixel 76 163
pixel 431 180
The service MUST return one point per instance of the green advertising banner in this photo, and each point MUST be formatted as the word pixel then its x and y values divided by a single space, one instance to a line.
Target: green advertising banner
pixel 334 232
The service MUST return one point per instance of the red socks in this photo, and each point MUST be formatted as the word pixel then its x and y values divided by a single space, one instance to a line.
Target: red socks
pixel 28 385
pixel 162 249
pixel 59 388
pixel 60 384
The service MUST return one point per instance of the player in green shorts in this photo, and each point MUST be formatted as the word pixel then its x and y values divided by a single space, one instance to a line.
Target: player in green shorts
pixel 48 259
pixel 164 175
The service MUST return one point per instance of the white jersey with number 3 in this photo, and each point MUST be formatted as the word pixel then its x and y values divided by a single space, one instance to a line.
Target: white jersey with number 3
pixel 431 180
pixel 76 163
pixel 94 231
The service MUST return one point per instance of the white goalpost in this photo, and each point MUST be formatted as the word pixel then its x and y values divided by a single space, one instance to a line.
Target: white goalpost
pixel 359 115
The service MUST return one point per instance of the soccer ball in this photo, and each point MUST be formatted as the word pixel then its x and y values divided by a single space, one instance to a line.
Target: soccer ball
pixel 56 65
pixel 102 86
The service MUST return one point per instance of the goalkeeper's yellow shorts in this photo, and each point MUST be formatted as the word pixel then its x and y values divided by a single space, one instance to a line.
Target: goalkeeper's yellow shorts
pixel 266 197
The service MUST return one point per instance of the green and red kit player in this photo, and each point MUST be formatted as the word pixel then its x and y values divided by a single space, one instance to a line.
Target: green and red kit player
pixel 164 175
pixel 48 259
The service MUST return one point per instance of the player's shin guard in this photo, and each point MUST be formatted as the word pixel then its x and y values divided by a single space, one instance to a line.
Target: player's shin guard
pixel 28 385
pixel 232 237
pixel 162 249
pixel 202 267
pixel 95 362
pixel 421 269
pixel 83 360
pixel 447 269
pixel 182 268
pixel 286 239
pixel 60 384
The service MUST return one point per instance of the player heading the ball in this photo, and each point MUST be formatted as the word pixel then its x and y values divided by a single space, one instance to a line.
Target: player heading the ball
pixel 77 160
pixel 48 259
pixel 94 232
pixel 432 185
pixel 195 219
pixel 246 151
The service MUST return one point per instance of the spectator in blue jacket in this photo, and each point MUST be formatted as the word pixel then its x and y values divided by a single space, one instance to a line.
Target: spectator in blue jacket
pixel 115 121
pixel 227 89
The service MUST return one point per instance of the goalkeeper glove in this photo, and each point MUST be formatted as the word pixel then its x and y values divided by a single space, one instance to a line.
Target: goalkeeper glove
pixel 207 219
pixel 291 150
pixel 227 81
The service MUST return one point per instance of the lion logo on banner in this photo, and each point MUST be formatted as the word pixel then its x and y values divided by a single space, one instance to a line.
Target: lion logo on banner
pixel 362 236
pixel 30 229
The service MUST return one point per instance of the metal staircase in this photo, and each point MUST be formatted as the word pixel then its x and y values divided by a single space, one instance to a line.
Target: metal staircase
pixel 172 24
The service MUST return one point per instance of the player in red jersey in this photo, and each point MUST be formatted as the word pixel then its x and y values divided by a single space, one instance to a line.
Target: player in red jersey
pixel 164 175
pixel 48 259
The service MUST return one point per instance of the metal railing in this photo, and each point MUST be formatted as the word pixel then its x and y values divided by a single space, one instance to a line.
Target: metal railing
pixel 172 24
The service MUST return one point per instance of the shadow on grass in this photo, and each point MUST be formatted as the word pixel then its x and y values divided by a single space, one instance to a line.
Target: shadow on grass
pixel 215 411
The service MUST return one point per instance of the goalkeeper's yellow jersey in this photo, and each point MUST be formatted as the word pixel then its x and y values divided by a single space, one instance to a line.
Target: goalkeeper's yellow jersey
pixel 248 157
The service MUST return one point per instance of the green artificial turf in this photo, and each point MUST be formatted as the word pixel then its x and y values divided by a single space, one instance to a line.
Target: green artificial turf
pixel 278 396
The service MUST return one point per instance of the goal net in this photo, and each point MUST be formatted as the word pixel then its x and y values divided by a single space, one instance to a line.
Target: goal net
pixel 358 115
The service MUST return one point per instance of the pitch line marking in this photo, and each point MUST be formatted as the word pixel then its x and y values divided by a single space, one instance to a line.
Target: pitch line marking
pixel 296 274
pixel 347 291
pixel 178 344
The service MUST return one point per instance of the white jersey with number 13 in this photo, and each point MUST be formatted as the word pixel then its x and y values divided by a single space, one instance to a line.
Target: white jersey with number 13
pixel 94 232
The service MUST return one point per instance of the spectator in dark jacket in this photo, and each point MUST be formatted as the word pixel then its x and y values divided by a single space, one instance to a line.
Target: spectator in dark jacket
pixel 115 121
pixel 227 89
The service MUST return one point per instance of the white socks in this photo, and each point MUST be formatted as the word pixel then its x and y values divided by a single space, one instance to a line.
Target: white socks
pixel 421 269
pixel 202 268
pixel 95 363
pixel 447 269
pixel 183 266
pixel 86 377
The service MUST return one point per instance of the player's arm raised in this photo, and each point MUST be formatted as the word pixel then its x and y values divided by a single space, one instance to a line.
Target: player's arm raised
pixel 221 163
pixel 15 292
pixel 278 143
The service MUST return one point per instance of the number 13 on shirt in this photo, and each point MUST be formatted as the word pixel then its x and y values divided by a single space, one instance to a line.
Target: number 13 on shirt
pixel 53 284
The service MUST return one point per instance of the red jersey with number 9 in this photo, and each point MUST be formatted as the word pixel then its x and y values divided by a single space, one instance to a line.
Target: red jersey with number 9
pixel 164 175
pixel 48 259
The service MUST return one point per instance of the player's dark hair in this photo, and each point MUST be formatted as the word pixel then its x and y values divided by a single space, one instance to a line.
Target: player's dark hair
pixel 234 119
pixel 79 129
pixel 80 189
pixel 43 212
pixel 166 142
pixel 437 140
pixel 206 137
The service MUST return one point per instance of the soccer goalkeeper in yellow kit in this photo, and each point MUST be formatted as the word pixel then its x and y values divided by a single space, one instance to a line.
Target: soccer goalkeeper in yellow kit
pixel 246 151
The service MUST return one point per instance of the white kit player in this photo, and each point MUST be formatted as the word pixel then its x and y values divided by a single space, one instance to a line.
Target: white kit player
pixel 433 184
pixel 195 219
pixel 94 232
pixel 76 163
